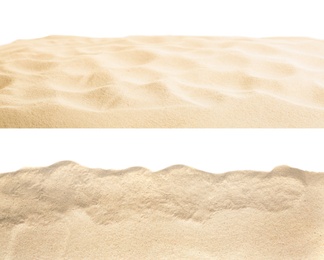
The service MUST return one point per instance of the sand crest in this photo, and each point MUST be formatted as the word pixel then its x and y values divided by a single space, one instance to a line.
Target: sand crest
pixel 66 211
pixel 162 81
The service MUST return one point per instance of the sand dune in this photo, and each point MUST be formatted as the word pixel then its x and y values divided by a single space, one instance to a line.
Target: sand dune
pixel 162 81
pixel 67 211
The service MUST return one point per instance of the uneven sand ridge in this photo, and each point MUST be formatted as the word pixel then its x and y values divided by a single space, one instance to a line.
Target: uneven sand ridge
pixel 162 81
pixel 67 211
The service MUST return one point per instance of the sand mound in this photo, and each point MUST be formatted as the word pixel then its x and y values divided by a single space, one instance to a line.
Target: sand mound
pixel 66 211
pixel 165 81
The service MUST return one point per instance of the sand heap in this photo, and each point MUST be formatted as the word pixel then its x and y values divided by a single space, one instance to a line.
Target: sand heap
pixel 164 81
pixel 66 211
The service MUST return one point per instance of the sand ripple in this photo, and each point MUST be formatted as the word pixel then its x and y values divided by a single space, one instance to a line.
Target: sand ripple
pixel 134 81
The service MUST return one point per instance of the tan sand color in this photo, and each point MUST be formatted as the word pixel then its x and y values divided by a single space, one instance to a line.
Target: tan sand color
pixel 162 81
pixel 67 211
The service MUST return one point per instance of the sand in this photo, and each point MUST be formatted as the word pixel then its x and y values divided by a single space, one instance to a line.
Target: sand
pixel 162 81
pixel 67 211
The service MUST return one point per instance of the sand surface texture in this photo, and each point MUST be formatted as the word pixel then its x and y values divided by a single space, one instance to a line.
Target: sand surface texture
pixel 163 81
pixel 67 211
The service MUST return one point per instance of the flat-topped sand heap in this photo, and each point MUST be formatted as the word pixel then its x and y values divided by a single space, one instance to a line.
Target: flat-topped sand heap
pixel 67 211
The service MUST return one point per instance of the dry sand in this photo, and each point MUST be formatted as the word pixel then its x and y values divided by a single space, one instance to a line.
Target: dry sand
pixel 67 211
pixel 163 81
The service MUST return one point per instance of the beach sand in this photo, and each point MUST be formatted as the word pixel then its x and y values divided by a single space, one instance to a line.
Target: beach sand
pixel 67 211
pixel 162 81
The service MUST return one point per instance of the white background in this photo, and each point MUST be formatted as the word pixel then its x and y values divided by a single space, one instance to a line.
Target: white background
pixel 106 18
pixel 210 150
pixel 213 150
